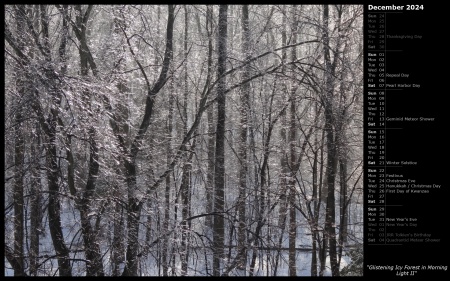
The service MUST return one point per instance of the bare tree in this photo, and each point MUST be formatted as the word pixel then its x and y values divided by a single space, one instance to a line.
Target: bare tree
pixel 244 111
pixel 219 172
pixel 134 204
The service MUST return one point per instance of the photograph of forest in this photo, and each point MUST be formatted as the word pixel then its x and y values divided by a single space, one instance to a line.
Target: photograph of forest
pixel 183 140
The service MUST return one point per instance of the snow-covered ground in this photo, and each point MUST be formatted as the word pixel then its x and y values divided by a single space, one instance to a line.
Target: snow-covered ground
pixel 199 264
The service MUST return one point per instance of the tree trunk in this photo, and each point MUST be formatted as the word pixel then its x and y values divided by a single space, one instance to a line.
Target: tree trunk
pixel 185 180
pixel 219 178
pixel 244 110
pixel 293 161
pixel 283 161
pixel 94 266
pixel 18 190
pixel 19 146
pixel 342 205
pixel 342 154
pixel 36 187
pixel 35 206
pixel 118 247
pixel 123 129
pixel 211 131
pixel 165 259
pixel 54 208
pixel 330 220
pixel 316 197
pixel 292 192
pixel 134 204
pixel 322 243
